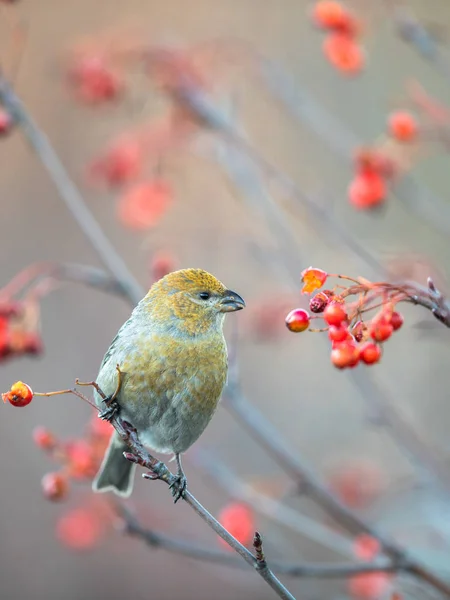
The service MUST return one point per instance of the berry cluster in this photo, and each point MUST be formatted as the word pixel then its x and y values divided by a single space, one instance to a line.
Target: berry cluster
pixel 79 458
pixel 375 168
pixel 19 335
pixel 341 45
pixel 353 338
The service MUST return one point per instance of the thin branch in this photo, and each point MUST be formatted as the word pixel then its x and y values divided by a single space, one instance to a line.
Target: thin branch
pixel 263 568
pixel 69 192
pixel 158 470
pixel 154 539
pixel 268 438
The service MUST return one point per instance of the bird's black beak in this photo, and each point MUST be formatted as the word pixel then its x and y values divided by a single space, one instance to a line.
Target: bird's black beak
pixel 231 302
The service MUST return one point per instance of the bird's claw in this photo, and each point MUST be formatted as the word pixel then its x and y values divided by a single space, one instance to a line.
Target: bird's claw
pixel 110 410
pixel 178 487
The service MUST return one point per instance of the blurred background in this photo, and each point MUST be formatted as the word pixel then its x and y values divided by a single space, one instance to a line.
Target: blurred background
pixel 231 220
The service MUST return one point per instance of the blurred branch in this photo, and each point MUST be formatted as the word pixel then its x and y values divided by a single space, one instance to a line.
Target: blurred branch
pixel 268 438
pixel 158 470
pixel 413 32
pixel 75 273
pixel 68 192
pixel 155 539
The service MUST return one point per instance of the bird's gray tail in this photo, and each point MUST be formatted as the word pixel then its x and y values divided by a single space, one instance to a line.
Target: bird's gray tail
pixel 116 473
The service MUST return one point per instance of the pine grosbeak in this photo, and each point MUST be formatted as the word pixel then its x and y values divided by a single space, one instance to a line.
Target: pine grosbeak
pixel 173 359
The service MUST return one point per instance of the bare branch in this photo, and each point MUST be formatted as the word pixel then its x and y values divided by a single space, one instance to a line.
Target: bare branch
pixel 69 192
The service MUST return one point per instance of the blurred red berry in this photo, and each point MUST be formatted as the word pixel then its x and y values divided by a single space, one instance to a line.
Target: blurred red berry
pixel 161 264
pixel 81 460
pixel 55 486
pixel 143 205
pixel 396 320
pixel 94 81
pixel 33 344
pixel 369 586
pixel 344 53
pixel 100 427
pixel 121 164
pixel 298 320
pixel 44 438
pixel 357 484
pixel 370 353
pixel 368 189
pixel 79 529
pixel 345 355
pixel 6 122
pixel 338 333
pixel 403 126
pixel 11 308
pixel 334 314
pixel 366 547
pixel 238 519
pixel 329 14
pixel 380 330
pixel 19 395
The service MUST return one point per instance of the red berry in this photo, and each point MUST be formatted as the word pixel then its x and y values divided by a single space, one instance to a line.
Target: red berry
pixel 298 320
pixel 344 53
pixel 402 126
pixel 396 320
pixel 94 81
pixel 345 355
pixel 334 314
pixel 381 330
pixel 239 520
pixel 19 395
pixel 6 122
pixel 120 164
pixel 55 486
pixel 81 460
pixel 368 189
pixel 143 205
pixel 369 586
pixel 338 334
pixel 366 547
pixel 330 14
pixel 79 529
pixel 370 353
pixel 43 438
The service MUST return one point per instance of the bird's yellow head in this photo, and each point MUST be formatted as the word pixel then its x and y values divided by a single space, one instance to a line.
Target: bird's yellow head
pixel 191 300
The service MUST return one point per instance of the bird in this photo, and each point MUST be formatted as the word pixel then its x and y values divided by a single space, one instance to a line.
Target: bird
pixel 172 358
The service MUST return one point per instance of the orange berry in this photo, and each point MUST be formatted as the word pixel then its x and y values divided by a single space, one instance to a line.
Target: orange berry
pixel 403 126
pixel 334 314
pixel 55 486
pixel 43 438
pixel 298 320
pixel 368 189
pixel 19 395
pixel 343 53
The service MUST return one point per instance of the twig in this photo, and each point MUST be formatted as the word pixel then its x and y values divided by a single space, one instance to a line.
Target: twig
pixel 69 192
pixel 263 568
pixel 158 470
pixel 154 539
pixel 268 438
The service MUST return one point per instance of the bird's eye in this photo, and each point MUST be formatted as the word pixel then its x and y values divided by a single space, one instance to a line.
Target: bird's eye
pixel 205 295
